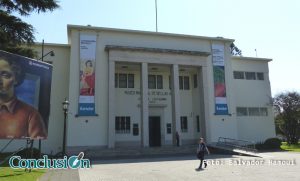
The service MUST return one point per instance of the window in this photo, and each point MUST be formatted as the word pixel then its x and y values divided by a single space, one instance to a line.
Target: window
pixel 242 111
pixel 263 111
pixel 130 81
pixel 253 111
pixel 250 75
pixel 151 81
pixel 159 81
pixel 116 80
pixel 238 75
pixel 169 128
pixel 181 82
pixel 260 76
pixel 195 81
pixel 135 129
pixel 122 124
pixel 183 123
pixel 124 80
pixel 184 82
pixel 155 82
pixel 198 123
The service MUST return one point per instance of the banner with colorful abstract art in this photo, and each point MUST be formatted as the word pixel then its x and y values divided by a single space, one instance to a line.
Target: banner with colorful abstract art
pixel 221 107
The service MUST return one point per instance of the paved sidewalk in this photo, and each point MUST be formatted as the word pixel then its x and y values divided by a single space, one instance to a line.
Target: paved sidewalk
pixel 220 167
pixel 60 175
pixel 183 168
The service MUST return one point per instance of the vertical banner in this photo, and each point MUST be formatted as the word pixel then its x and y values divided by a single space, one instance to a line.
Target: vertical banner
pixel 221 107
pixel 25 88
pixel 87 75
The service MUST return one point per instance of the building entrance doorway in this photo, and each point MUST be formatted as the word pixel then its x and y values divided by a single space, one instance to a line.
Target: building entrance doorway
pixel 154 131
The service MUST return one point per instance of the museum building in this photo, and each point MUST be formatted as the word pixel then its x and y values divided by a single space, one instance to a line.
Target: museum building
pixel 129 88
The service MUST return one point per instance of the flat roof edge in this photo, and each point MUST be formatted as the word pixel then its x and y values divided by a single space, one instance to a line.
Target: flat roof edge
pixel 252 58
pixel 80 27
pixel 52 44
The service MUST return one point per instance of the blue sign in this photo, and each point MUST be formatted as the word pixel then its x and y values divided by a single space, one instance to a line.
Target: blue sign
pixel 221 109
pixel 86 109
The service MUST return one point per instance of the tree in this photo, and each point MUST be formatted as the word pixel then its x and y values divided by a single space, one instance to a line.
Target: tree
pixel 287 106
pixel 13 31
pixel 234 50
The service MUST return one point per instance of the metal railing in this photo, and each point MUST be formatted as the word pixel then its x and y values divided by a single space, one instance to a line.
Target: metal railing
pixel 237 144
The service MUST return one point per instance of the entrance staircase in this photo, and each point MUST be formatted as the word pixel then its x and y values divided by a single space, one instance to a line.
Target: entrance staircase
pixel 223 146
pixel 137 152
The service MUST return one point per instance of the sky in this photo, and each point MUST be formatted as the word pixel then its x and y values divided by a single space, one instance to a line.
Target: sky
pixel 272 27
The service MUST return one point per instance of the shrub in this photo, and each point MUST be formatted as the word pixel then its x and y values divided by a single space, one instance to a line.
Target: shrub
pixel 260 146
pixel 272 143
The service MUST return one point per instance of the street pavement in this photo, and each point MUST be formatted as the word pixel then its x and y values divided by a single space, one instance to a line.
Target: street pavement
pixel 274 166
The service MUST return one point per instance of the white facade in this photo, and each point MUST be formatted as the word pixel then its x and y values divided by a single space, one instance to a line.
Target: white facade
pixel 167 56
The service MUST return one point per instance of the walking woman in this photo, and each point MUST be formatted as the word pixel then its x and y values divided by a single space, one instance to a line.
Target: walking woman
pixel 200 153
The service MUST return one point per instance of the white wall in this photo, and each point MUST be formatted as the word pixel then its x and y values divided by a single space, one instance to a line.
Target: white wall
pixel 129 105
pixel 253 93
pixel 93 130
pixel 221 125
pixel 80 133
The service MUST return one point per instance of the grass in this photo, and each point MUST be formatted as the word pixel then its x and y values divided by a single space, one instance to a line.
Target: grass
pixel 295 148
pixel 9 174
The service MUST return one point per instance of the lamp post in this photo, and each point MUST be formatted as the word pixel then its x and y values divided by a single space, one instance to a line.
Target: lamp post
pixel 65 109
pixel 51 52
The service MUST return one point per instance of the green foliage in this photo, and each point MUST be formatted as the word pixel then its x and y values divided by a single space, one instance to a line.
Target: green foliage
pixel 287 120
pixel 295 148
pixel 270 143
pixel 9 174
pixel 13 31
pixel 234 50
pixel 273 143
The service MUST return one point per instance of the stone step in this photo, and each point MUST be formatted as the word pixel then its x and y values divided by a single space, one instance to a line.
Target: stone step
pixel 131 152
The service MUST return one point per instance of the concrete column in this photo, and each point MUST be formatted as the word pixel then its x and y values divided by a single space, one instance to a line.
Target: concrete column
pixel 202 103
pixel 175 104
pixel 111 104
pixel 144 105
pixel 205 93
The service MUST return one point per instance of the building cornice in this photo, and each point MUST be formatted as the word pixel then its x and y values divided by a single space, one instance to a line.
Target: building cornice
pixel 52 44
pixel 251 58
pixel 156 50
pixel 82 28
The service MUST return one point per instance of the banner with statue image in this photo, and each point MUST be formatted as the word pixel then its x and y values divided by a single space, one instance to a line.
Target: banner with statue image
pixel 221 107
pixel 87 75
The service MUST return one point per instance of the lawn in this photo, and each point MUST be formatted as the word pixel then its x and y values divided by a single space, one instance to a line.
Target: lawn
pixel 9 174
pixel 287 147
